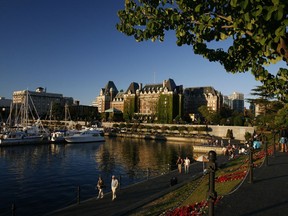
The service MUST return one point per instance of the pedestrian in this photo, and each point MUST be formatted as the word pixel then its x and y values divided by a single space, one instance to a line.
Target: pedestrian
pixel 100 187
pixel 283 143
pixel 186 164
pixel 114 186
pixel 283 140
pixel 179 164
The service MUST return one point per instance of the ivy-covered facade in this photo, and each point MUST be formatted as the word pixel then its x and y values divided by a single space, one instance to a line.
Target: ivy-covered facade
pixel 154 102
pixel 163 102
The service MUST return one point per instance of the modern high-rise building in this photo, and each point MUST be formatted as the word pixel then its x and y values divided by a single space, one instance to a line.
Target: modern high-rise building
pixel 236 102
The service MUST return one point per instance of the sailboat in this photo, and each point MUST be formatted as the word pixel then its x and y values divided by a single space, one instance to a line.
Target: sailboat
pixel 21 130
pixel 58 136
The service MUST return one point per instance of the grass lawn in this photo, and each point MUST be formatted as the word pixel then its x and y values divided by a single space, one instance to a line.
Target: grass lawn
pixel 228 177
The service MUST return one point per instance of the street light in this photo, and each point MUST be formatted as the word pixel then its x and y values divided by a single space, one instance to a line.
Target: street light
pixel 274 141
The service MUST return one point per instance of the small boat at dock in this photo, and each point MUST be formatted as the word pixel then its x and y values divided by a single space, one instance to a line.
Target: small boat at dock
pixel 19 137
pixel 88 135
pixel 59 135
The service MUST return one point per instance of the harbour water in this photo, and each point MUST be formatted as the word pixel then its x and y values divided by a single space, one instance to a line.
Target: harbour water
pixel 39 179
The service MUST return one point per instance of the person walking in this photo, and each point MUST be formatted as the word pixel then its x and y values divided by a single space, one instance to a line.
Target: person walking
pixel 186 164
pixel 179 164
pixel 283 140
pixel 100 187
pixel 114 186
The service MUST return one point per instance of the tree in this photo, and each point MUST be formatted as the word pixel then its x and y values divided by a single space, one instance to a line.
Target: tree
pixel 255 30
pixel 268 107
pixel 211 117
pixel 281 118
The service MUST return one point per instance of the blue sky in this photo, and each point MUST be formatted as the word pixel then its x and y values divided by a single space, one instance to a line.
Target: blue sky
pixel 72 47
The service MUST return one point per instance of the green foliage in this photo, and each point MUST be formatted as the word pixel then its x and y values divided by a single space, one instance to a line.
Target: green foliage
pixel 238 121
pixel 173 128
pixel 255 30
pixel 211 117
pixel 229 134
pixel 128 125
pixel 122 125
pixel 115 125
pixel 165 109
pixel 203 128
pixel 281 118
pixel 129 108
pixel 248 136
pixel 156 127
pixel 148 127
pixel 164 128
pixel 182 128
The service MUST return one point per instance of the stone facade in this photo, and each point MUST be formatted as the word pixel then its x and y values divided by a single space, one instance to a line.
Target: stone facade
pixel 201 96
pixel 162 102
pixel 106 96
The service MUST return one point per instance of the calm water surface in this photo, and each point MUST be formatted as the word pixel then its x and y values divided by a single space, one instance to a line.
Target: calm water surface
pixel 41 179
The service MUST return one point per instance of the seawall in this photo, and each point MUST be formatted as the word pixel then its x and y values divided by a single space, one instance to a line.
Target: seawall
pixel 214 130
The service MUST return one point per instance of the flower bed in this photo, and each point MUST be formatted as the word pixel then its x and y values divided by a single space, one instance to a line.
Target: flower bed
pixel 199 209
pixel 231 176
pixel 196 209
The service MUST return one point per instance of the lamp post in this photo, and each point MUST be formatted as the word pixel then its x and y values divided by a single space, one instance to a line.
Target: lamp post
pixel 212 194
pixel 274 142
pixel 266 150
pixel 251 164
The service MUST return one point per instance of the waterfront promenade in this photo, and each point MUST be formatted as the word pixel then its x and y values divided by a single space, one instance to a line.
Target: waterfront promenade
pixel 267 195
pixel 134 196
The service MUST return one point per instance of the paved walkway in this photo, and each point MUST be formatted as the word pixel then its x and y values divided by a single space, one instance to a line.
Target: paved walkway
pixel 135 196
pixel 267 195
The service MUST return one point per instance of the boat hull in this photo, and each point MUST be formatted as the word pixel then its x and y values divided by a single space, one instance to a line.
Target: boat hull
pixel 21 141
pixel 74 139
pixel 58 140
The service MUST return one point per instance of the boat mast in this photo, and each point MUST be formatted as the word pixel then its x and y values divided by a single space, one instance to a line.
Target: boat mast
pixel 67 116
pixel 50 113
pixel 26 105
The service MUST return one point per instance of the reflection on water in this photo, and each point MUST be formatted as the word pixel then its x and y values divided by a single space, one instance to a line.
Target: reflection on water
pixel 40 179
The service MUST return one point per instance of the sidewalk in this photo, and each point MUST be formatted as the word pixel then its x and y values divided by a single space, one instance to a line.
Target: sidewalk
pixel 134 196
pixel 267 195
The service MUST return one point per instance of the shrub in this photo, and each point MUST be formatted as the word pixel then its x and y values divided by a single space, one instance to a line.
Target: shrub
pixel 174 128
pixel 122 125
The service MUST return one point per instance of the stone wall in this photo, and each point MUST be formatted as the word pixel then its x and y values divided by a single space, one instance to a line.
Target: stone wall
pixel 215 130
pixel 238 131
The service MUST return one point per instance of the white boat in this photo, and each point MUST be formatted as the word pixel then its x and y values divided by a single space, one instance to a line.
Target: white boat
pixel 19 137
pixel 59 136
pixel 89 135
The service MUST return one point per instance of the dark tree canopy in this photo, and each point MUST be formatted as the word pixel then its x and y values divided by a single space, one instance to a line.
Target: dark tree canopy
pixel 257 30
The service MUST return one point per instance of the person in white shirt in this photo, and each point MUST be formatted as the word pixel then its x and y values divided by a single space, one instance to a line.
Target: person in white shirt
pixel 186 164
pixel 114 186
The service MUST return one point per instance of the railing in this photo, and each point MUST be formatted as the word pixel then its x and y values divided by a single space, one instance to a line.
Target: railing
pixel 81 191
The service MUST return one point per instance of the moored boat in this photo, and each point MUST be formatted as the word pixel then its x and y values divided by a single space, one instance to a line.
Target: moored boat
pixel 89 135
pixel 19 137
pixel 59 136
pixel 23 129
